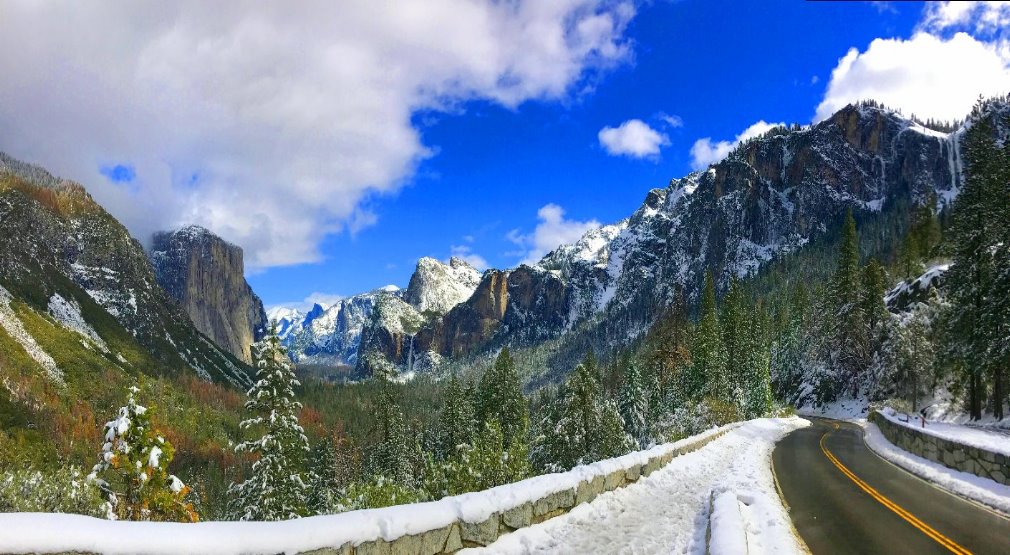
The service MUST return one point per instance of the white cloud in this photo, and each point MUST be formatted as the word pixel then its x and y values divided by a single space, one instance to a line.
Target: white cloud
pixel 979 17
pixel 274 124
pixel 926 75
pixel 671 120
pixel 632 138
pixel 552 231
pixel 471 258
pixel 325 299
pixel 706 152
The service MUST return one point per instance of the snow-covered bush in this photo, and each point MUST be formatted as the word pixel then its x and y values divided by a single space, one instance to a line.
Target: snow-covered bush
pixel 64 491
pixel 379 492
pixel 132 470
pixel 484 465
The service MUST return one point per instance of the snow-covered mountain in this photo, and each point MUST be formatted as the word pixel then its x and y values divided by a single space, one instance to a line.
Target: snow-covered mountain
pixel 332 334
pixel 770 196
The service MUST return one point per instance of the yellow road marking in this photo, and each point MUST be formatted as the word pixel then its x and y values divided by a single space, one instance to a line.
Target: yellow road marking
pixel 907 516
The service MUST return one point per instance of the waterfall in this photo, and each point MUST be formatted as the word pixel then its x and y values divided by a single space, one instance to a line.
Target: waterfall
pixel 410 356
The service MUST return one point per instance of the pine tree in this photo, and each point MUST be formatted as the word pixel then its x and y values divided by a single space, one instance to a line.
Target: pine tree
pixel 634 406
pixel 456 423
pixel 976 218
pixel 392 457
pixel 276 488
pixel 757 393
pixel 736 328
pixel 707 374
pixel 325 494
pixel 667 343
pixel 848 326
pixel 132 471
pixel 914 355
pixel 500 397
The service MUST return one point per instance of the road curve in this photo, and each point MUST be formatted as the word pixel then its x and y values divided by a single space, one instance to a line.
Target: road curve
pixel 845 499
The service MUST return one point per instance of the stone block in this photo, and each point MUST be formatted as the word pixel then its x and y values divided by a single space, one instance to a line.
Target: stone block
pixel 480 533
pixel 377 547
pixel 614 480
pixel 433 541
pixel 410 543
pixel 633 473
pixel 518 517
pixel 455 541
pixel 345 549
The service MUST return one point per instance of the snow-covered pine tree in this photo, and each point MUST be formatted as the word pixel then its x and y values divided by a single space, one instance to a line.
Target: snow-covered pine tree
pixel 634 406
pixel 276 488
pixel 456 422
pixel 735 326
pixel 325 493
pixel 707 374
pixel 132 471
pixel 392 456
pixel 974 235
pixel 500 397
pixel 914 354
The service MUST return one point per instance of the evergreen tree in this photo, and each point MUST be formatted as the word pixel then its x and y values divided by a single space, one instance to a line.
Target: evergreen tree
pixel 756 368
pixel 132 471
pixel 392 456
pixel 848 347
pixel 500 397
pixel 456 423
pixel 276 488
pixel 914 355
pixel 485 464
pixel 707 374
pixel 971 278
pixel 736 330
pixel 325 494
pixel 667 348
pixel 634 406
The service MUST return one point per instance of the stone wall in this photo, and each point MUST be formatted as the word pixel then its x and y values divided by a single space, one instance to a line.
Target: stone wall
pixel 957 456
pixel 461 534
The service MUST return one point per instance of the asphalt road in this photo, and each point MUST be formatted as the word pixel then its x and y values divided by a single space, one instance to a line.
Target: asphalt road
pixel 860 503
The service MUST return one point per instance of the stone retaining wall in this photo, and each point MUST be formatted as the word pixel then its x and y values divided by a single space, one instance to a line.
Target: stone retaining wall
pixel 957 456
pixel 461 534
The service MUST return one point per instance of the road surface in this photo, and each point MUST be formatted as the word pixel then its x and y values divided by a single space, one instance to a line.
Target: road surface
pixel 845 499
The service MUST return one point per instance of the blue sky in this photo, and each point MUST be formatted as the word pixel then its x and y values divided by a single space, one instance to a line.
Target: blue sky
pixel 338 142
pixel 718 66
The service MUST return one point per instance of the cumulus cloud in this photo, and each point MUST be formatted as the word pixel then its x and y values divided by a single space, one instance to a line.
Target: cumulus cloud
pixel 466 253
pixel 273 124
pixel 984 18
pixel 926 75
pixel 633 138
pixel 552 231
pixel 705 152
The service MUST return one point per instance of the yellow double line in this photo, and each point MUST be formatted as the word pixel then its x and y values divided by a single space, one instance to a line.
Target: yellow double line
pixel 909 517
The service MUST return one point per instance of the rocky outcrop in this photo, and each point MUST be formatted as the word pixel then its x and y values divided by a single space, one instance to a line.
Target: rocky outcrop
pixel 57 242
pixel 205 275
pixel 436 287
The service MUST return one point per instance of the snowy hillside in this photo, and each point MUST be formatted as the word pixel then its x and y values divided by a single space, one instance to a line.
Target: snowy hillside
pixel 437 287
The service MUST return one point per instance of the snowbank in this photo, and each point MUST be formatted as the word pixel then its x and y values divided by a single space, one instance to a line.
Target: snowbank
pixel 994 441
pixel 976 488
pixel 46 532
pixel 668 511
pixel 845 409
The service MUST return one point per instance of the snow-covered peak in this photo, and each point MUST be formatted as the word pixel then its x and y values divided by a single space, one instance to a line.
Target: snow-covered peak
pixel 437 286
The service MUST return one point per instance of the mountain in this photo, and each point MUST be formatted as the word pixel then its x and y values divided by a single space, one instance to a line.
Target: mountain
pixel 205 275
pixel 327 334
pixel 66 264
pixel 771 196
pixel 379 318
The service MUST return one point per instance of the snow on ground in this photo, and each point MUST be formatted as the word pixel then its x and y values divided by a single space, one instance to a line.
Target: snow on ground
pixel 845 409
pixel 68 313
pixel 12 325
pixel 47 532
pixel 982 490
pixel 948 410
pixel 668 511
pixel 995 441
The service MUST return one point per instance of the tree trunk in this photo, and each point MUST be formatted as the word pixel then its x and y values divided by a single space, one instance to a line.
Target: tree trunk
pixel 997 393
pixel 975 403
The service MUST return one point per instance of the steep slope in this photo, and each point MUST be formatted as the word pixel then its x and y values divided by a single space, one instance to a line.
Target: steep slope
pixel 770 196
pixel 62 256
pixel 205 275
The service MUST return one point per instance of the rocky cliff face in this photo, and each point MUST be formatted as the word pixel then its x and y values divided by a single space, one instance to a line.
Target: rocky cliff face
pixel 205 275
pixel 60 248
pixel 770 196
pixel 437 287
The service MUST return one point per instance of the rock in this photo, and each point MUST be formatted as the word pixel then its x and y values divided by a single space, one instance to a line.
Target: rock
pixel 480 533
pixel 206 276
pixel 454 542
pixel 519 516
pixel 376 547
